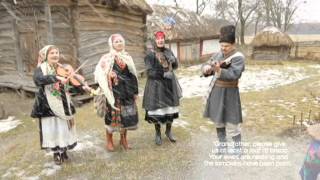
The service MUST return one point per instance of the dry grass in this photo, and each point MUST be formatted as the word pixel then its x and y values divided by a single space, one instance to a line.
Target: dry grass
pixel 267 115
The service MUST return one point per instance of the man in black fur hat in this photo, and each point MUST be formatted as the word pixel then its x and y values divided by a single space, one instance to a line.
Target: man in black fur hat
pixel 223 105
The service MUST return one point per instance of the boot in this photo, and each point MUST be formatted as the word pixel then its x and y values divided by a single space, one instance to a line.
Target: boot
pixel 237 145
pixel 64 155
pixel 110 146
pixel 57 158
pixel 158 134
pixel 169 133
pixel 222 136
pixel 124 141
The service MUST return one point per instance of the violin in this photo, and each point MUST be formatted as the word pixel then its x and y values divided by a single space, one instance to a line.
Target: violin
pixel 222 64
pixel 67 71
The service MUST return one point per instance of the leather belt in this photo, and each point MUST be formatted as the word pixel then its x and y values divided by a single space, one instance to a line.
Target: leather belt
pixel 226 84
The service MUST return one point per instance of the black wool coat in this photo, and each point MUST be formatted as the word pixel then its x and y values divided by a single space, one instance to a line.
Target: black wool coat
pixel 160 92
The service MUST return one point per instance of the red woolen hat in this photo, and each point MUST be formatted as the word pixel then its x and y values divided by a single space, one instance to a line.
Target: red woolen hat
pixel 159 34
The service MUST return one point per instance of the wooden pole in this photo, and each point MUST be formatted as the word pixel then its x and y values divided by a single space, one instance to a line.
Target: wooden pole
pixel 309 120
pixel 301 120
pixel 49 20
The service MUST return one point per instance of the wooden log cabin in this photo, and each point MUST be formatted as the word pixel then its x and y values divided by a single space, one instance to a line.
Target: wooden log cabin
pixel 80 28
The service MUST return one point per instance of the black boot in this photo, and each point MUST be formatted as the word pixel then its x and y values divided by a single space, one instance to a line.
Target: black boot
pixel 158 134
pixel 57 158
pixel 237 145
pixel 65 156
pixel 222 136
pixel 169 133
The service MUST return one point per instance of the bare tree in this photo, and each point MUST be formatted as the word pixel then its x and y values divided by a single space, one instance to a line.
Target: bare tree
pixel 245 11
pixel 257 20
pixel 221 8
pixel 227 10
pixel 267 6
pixel 175 1
pixel 290 8
pixel 201 5
pixel 280 13
pixel 238 12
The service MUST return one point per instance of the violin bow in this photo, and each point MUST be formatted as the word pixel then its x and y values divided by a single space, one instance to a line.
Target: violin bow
pixel 81 65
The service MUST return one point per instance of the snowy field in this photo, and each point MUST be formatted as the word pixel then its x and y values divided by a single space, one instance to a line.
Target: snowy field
pixel 8 124
pixel 253 79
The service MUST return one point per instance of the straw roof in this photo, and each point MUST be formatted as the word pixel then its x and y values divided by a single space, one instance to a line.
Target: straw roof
pixel 272 36
pixel 189 25
pixel 138 5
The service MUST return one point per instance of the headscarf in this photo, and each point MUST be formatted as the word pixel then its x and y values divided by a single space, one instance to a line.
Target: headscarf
pixel 105 65
pixel 43 54
pixel 159 34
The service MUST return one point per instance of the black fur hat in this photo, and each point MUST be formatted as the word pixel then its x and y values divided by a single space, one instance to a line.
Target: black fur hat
pixel 228 34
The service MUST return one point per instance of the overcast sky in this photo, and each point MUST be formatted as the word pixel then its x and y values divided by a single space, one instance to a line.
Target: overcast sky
pixel 308 10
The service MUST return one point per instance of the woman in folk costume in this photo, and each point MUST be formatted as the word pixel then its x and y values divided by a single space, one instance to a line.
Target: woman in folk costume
pixel 223 105
pixel 117 77
pixel 311 167
pixel 53 106
pixel 162 91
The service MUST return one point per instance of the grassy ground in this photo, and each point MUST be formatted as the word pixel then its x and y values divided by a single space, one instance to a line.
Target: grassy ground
pixel 268 117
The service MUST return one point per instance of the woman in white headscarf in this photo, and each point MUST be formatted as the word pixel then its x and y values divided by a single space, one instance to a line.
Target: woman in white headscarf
pixel 117 78
pixel 53 106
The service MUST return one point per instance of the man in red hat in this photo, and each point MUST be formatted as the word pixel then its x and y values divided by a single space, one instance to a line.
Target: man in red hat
pixel 223 105
pixel 162 91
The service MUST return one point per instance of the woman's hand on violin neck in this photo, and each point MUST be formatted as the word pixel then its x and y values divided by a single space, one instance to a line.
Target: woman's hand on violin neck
pixel 63 80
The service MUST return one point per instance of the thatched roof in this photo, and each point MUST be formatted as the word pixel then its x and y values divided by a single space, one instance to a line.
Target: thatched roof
pixel 272 36
pixel 139 5
pixel 189 25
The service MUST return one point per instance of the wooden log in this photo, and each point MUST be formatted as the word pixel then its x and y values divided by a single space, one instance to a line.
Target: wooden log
pixel 8 65
pixel 6 32
pixel 130 15
pixel 10 85
pixel 7 62
pixel 30 89
pixel 6 25
pixel 117 20
pixel 89 26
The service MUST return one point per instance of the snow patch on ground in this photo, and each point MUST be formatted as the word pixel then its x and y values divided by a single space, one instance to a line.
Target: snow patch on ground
pixel 180 123
pixel 84 143
pixel 204 129
pixel 8 124
pixel 31 178
pixel 50 169
pixel 15 172
pixel 253 79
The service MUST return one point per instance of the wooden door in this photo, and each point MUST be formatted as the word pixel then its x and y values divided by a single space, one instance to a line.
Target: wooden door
pixel 29 51
pixel 186 53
